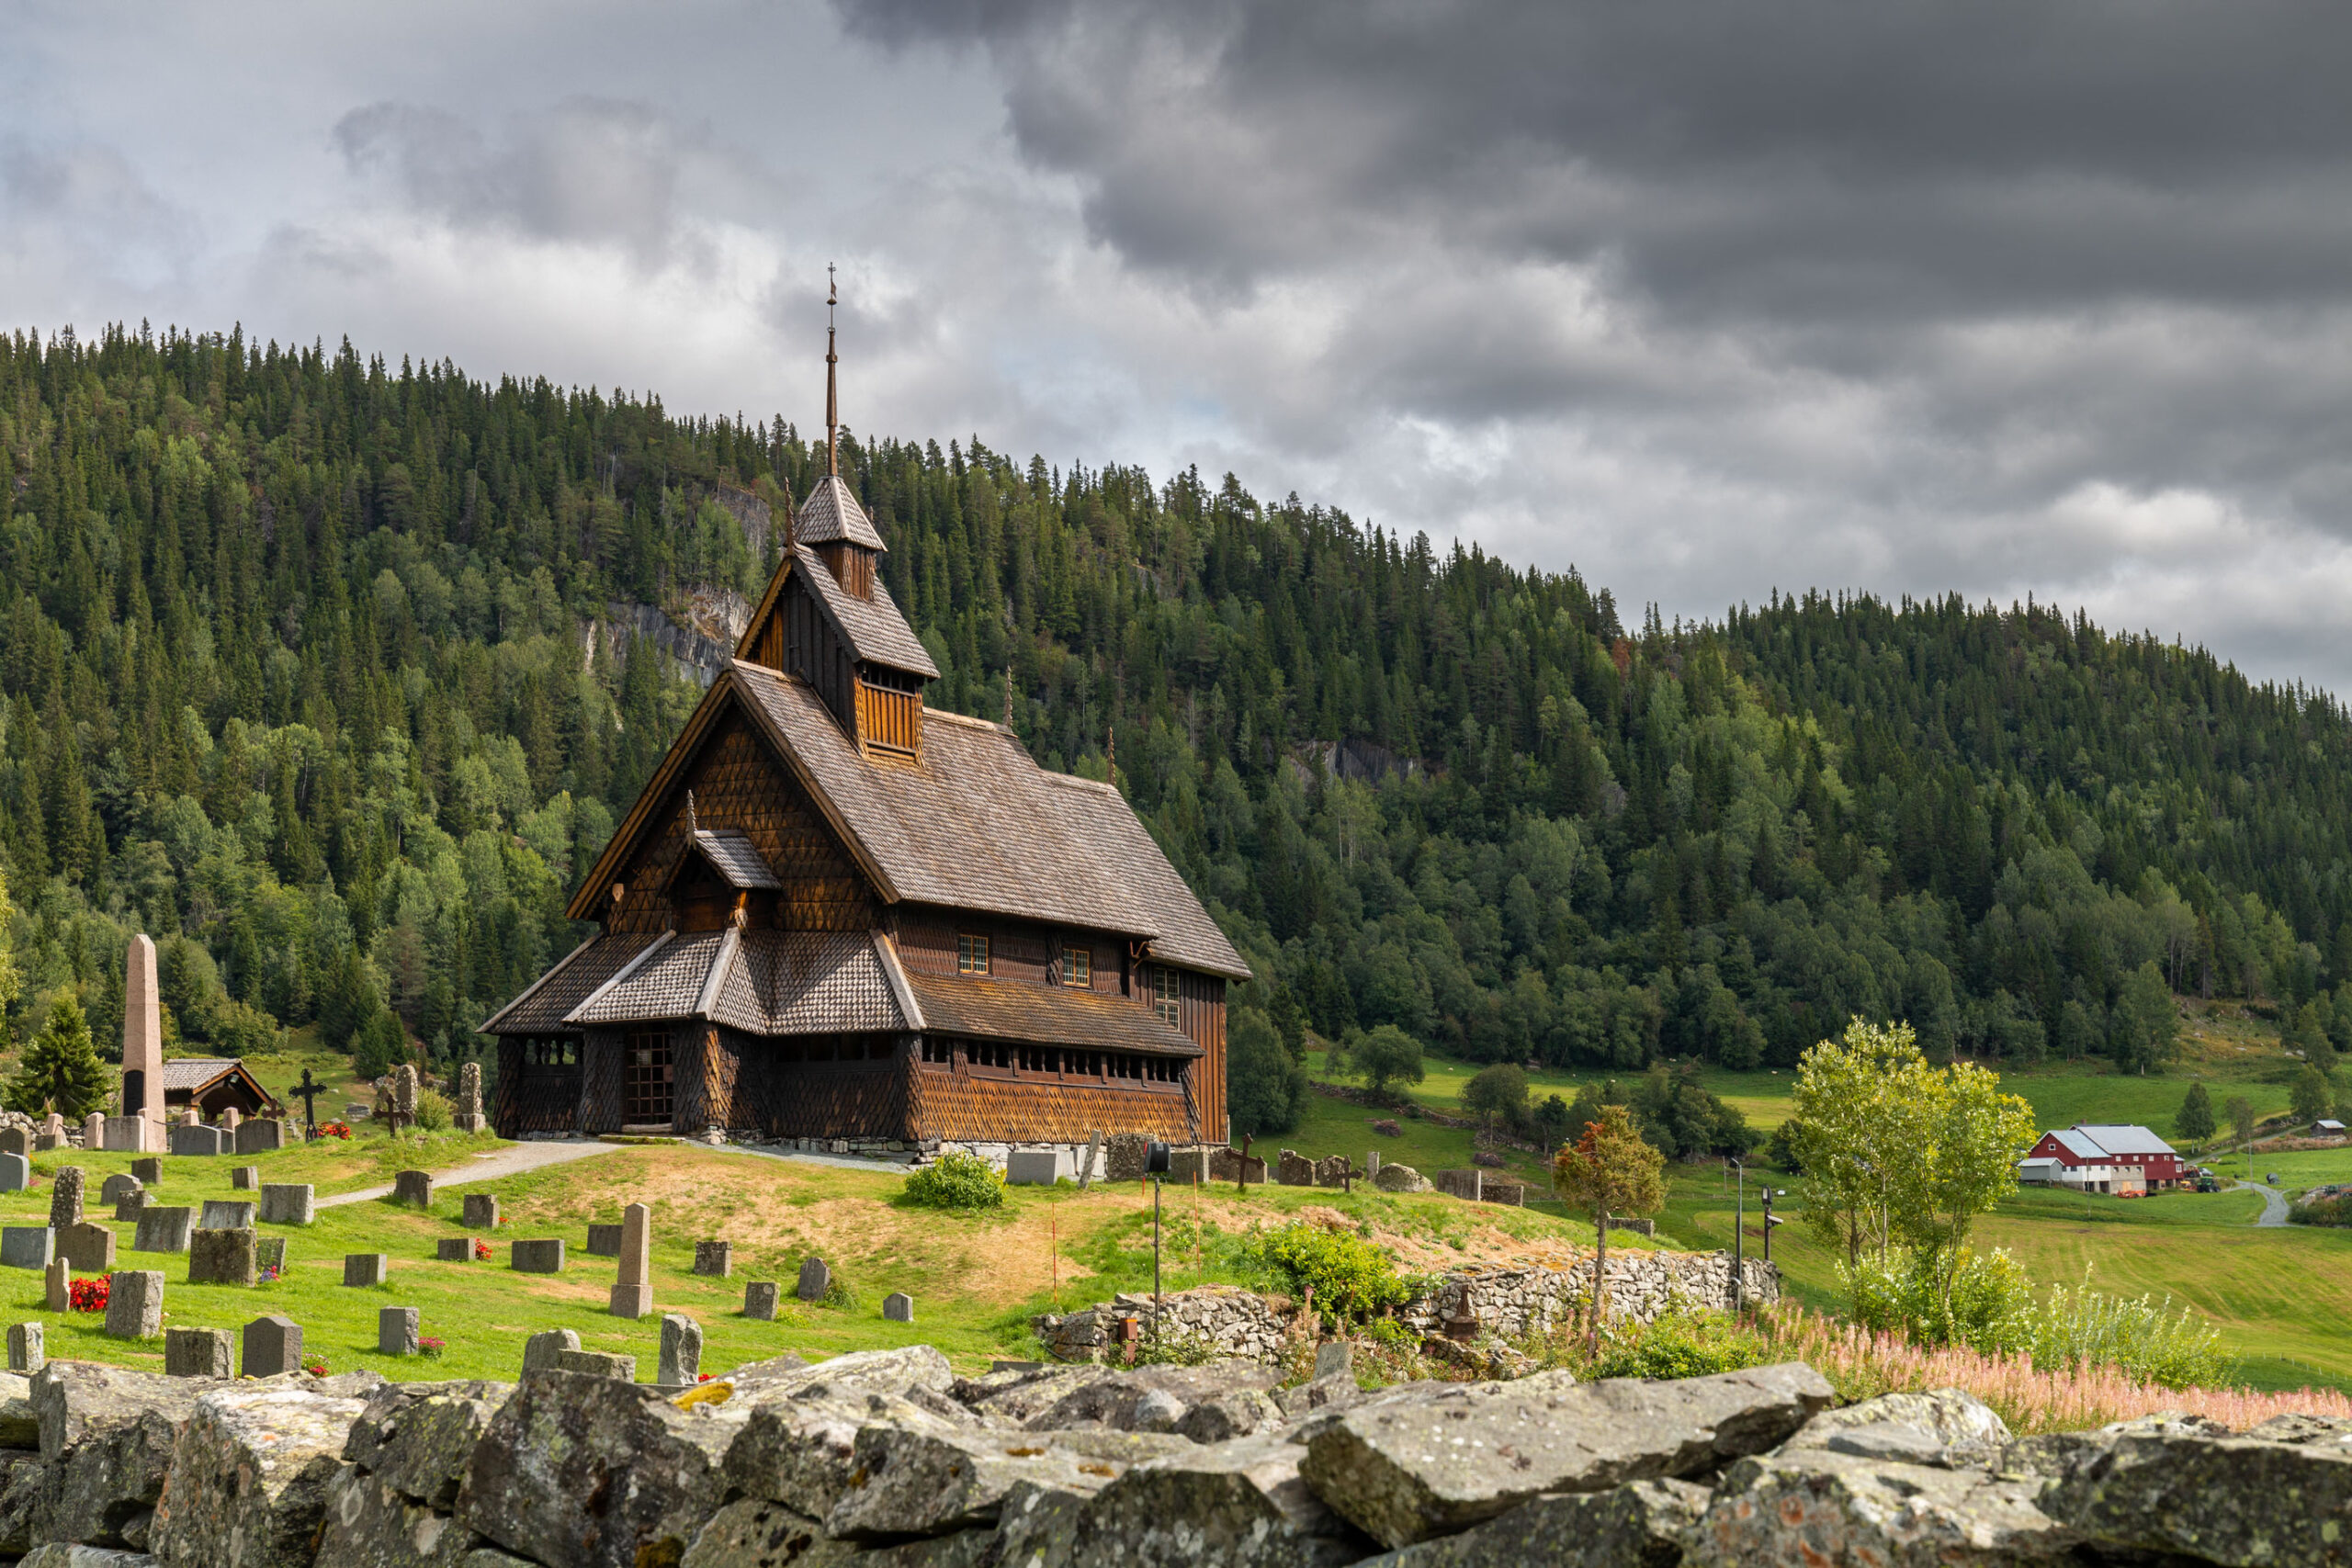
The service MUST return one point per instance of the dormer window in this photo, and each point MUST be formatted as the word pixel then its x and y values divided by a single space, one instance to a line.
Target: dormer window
pixel 971 955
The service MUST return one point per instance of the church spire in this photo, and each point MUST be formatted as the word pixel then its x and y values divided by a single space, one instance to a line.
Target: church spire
pixel 832 399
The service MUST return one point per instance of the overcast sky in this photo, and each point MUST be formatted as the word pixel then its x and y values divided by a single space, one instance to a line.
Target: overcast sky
pixel 1706 300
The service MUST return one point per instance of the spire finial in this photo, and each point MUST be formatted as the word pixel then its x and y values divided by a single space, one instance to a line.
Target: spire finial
pixel 832 399
pixel 692 827
pixel 1111 745
pixel 1008 697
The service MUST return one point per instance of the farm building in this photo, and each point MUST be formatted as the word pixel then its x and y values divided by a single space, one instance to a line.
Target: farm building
pixel 835 915
pixel 2103 1157
pixel 214 1084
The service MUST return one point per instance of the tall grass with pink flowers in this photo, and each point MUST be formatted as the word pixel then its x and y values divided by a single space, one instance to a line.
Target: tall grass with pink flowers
pixel 1860 1362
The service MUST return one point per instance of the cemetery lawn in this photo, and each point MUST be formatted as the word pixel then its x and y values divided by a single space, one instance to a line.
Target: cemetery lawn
pixel 976 1280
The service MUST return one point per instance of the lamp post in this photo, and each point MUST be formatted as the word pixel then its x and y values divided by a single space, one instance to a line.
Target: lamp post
pixel 1769 1221
pixel 1738 1225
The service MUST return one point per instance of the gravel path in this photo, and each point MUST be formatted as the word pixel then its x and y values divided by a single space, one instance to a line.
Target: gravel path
pixel 490 1167
pixel 2274 1203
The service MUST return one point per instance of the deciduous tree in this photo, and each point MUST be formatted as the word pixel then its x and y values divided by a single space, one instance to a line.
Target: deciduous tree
pixel 1609 1170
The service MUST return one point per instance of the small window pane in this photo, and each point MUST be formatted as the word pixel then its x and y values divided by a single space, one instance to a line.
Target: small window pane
pixel 971 955
pixel 1077 966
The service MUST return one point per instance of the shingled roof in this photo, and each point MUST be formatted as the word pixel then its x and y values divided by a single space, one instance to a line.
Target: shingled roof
pixel 541 1009
pixel 873 628
pixel 732 855
pixel 1187 935
pixel 973 824
pixel 832 512
pixel 1047 1015
pixel 810 983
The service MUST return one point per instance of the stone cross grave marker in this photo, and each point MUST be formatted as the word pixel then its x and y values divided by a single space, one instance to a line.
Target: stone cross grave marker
pixel 310 1093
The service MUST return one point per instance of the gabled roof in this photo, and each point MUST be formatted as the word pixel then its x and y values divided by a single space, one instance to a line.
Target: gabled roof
pixel 832 512
pixel 731 854
pixel 1187 935
pixel 541 1009
pixel 2123 1138
pixel 1047 1015
pixel 873 628
pixel 2083 1148
pixel 761 982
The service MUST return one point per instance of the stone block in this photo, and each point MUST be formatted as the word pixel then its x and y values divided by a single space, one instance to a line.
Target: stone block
pixel 269 1255
pixel 540 1351
pixel 1331 1171
pixel 596 1364
pixel 454 1249
pixel 1394 1178
pixel 93 1131
pixel 361 1269
pixel 415 1187
pixel 57 1283
pixel 16 1171
pixel 538 1255
pixel 1293 1169
pixel 44 1142
pixel 163 1229
pixel 250 1475
pixel 480 1212
pixel 118 1186
pixel 87 1248
pixel 630 1300
pixel 898 1307
pixel 273 1344
pixel 1124 1156
pixel 199 1353
pixel 396 1331
pixel 715 1259
pixel 1031 1168
pixel 221 1258
pixel 27 1246
pixel 760 1299
pixel 1232 1165
pixel 27 1354
pixel 815 1281
pixel 135 1303
pixel 1643 1522
pixel 227 1214
pixel 149 1171
pixel 604 1241
pixel 680 1361
pixel 245 1179
pixel 416 1438
pixel 260 1137
pixel 17 1140
pixel 127 1209
pixel 1421 1465
pixel 122 1134
pixel 66 1198
pixel 198 1140
pixel 289 1203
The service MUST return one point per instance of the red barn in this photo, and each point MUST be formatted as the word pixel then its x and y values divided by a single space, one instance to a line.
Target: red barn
pixel 2104 1156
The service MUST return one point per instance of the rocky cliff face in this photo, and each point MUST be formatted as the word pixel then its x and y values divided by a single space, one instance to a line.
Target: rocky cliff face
pixel 887 1460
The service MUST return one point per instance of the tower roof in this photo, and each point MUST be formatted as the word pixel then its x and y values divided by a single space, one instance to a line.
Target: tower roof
pixel 832 512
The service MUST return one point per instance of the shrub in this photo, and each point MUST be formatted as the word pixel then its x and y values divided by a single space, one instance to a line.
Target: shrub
pixel 956 1181
pixel 1681 1345
pixel 1350 1276
pixel 434 1111
pixel 2333 1207
pixel 2169 1346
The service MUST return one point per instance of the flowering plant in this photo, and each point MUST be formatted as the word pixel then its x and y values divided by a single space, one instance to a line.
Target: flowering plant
pixel 334 1129
pixel 428 1346
pixel 481 1252
pixel 269 1275
pixel 702 1377
pixel 89 1295
pixel 316 1366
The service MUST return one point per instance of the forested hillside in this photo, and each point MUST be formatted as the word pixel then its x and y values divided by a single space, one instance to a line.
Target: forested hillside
pixel 329 675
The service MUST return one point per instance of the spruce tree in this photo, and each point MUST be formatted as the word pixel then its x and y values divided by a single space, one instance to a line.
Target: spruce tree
pixel 2195 1123
pixel 61 1070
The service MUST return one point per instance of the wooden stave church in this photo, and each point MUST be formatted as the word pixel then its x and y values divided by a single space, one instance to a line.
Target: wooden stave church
pixel 835 915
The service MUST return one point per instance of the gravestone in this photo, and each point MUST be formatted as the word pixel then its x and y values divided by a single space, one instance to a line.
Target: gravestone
pixel 226 1215
pixel 163 1229
pixel 58 1282
pixel 361 1269
pixel 413 1187
pixel 260 1137
pixel 815 1281
pixel 66 1198
pixel 45 1141
pixel 633 1292
pixel 1293 1169
pixel 596 1364
pixel 289 1203
pixel 221 1258
pixel 197 1353
pixel 27 1352
pixel 129 1207
pixel 231 1117
pixel 760 1299
pixel 118 1186
pixel 87 1248
pixel 396 1331
pixel 539 1256
pixel 604 1241
pixel 54 1126
pixel 149 1171
pixel 27 1246
pixel 540 1351
pixel 1331 1171
pixel 1031 1167
pixel 190 1117
pixel 898 1307
pixel 16 1172
pixel 1086 1168
pixel 482 1210
pixel 245 1179
pixel 269 1254
pixel 454 1249
pixel 16 1141
pixel 468 1116
pixel 273 1344
pixel 94 1132
pixel 681 1350
pixel 134 1303
pixel 121 1135
pixel 197 1140
pixel 1124 1156
pixel 142 1047
pixel 715 1259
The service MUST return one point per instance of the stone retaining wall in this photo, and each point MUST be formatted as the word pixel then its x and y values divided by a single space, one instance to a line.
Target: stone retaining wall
pixel 1513 1302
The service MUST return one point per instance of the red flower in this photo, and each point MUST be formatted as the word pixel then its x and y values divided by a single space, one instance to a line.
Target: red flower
pixel 481 1252
pixel 89 1295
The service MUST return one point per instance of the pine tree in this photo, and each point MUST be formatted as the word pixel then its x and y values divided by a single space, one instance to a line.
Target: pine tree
pixel 61 1070
pixel 2195 1123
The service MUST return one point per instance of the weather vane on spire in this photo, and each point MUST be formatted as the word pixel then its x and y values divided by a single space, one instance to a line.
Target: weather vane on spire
pixel 832 400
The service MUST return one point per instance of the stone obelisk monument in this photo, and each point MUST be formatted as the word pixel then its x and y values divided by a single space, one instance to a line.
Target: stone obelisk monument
pixel 142 1041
